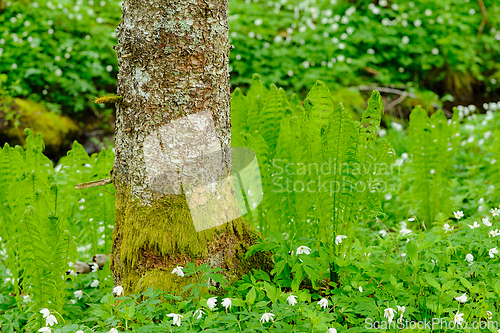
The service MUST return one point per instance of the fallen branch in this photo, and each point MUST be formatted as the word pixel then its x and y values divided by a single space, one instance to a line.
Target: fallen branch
pixel 485 20
pixel 402 93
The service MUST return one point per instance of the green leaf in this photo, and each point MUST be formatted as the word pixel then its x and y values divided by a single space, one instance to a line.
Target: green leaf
pixel 412 252
pixel 466 283
pixel 433 282
pixel 297 280
pixel 252 294
pixel 393 280
pixel 131 312
pixel 271 292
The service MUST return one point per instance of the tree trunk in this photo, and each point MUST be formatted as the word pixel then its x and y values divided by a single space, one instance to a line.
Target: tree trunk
pixel 174 194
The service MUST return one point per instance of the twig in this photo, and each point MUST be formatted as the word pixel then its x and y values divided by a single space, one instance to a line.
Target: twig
pixel 395 102
pixel 405 93
pixel 95 183
pixel 388 90
pixel 485 20
pixel 394 240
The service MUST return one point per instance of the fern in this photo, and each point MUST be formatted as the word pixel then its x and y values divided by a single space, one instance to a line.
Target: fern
pixel 375 158
pixel 495 167
pixel 292 141
pixel 39 227
pixel 431 143
pixel 29 212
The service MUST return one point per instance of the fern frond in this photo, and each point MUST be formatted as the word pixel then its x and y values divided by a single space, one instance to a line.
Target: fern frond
pixel 431 139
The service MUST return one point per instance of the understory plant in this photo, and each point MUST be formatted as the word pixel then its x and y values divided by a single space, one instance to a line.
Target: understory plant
pixel 387 271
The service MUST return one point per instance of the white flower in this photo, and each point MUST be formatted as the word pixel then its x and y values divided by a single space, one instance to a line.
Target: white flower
pixel 360 289
pixel 411 219
pixel 401 310
pixel 474 225
pixel 72 272
pixel 226 302
pixel 94 266
pixel 78 294
pixel 118 290
pixel 404 231
pixel 211 302
pixel 486 221
pixel 494 233
pixel 79 331
pixel 495 211
pixel 113 330
pixel 323 303
pixel 469 257
pixel 178 271
pixel 339 239
pixel 492 252
pixel 389 314
pixel 331 330
pixel 383 233
pixel 462 299
pixel 303 250
pixel 51 320
pixel 458 318
pixel 45 312
pixel 489 315
pixel 459 214
pixel 26 298
pixel 266 317
pixel 94 284
pixel 447 228
pixel 397 126
pixel 291 300
pixel 45 330
pixel 177 318
pixel 199 312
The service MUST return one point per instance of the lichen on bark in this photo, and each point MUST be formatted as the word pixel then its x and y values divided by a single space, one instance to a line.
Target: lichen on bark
pixel 173 62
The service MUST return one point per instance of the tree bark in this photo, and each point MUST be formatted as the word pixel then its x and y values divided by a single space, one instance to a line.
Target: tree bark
pixel 173 160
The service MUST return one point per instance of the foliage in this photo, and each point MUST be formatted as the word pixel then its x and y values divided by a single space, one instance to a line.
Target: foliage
pixel 41 214
pixel 62 53
pixel 329 181
pixel 431 143
pixel 389 262
pixel 294 43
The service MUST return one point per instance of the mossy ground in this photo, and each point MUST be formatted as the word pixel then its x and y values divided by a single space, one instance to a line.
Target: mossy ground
pixel 19 114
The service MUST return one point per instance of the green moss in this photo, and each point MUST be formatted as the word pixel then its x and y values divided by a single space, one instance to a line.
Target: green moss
pixel 56 130
pixel 151 240
pixel 164 279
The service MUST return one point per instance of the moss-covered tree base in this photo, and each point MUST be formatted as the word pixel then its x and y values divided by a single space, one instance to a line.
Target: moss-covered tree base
pixel 151 240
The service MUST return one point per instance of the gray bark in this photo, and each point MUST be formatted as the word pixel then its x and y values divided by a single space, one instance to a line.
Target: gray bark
pixel 173 61
pixel 173 75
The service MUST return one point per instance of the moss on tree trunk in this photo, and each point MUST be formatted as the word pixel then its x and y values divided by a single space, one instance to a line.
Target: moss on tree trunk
pixel 150 240
pixel 173 64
